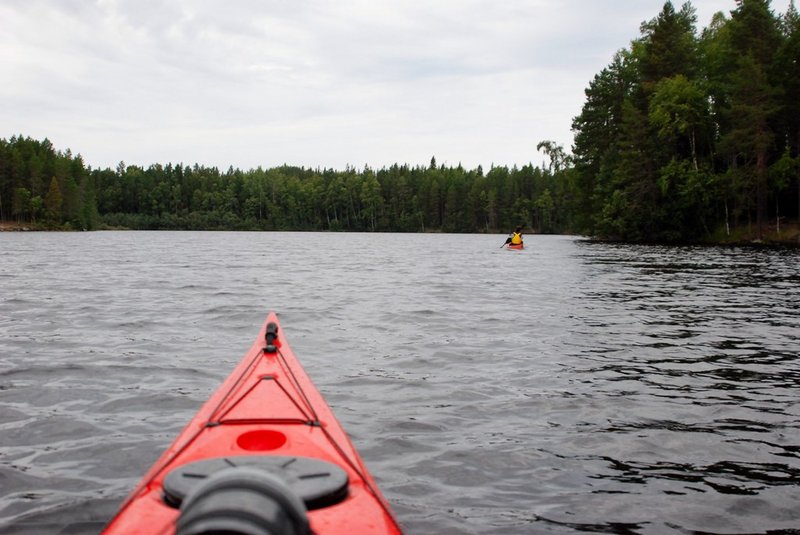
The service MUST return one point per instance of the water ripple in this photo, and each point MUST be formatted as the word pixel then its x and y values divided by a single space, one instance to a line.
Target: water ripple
pixel 571 387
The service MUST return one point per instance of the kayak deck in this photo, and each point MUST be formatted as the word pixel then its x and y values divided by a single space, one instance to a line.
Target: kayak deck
pixel 267 407
pixel 515 246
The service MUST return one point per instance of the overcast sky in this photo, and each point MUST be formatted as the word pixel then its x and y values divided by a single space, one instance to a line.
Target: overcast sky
pixel 312 83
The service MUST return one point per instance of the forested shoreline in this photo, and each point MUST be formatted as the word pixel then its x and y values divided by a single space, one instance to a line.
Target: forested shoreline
pixel 685 136
pixel 175 196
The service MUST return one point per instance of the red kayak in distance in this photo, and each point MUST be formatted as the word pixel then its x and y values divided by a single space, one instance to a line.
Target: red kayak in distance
pixel 515 246
pixel 265 454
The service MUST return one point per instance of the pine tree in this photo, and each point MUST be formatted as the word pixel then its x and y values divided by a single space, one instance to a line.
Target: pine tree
pixel 53 201
pixel 754 38
pixel 789 62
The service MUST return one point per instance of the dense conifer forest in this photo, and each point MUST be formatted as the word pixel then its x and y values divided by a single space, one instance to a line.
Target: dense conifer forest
pixel 686 136
pixel 399 198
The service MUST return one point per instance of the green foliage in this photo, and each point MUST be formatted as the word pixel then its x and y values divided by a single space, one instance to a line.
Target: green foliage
pixel 53 201
pixel 398 198
pixel 677 135
pixel 783 172
pixel 22 203
pixel 677 107
pixel 36 181
pixel 669 45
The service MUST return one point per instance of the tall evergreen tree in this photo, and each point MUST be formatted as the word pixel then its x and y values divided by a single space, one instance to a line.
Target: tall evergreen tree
pixel 789 73
pixel 53 201
pixel 597 131
pixel 755 38
pixel 669 45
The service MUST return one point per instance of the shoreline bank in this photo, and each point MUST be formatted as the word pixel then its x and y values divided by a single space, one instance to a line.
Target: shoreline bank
pixel 789 235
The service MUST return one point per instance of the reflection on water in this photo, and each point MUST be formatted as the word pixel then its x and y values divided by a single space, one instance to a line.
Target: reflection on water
pixel 570 387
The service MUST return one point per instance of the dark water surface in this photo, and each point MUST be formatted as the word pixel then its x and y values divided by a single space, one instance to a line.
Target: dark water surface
pixel 570 387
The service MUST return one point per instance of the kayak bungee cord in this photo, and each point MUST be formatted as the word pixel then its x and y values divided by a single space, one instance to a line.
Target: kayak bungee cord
pixel 314 421
pixel 233 387
pixel 330 438
pixel 298 387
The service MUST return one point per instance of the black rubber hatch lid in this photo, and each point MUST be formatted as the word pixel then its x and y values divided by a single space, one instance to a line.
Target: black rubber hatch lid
pixel 318 483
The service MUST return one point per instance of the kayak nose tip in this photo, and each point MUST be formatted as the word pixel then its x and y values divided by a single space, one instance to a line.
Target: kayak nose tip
pixel 271 336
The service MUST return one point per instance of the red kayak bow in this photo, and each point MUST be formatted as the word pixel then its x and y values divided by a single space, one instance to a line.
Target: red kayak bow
pixel 265 454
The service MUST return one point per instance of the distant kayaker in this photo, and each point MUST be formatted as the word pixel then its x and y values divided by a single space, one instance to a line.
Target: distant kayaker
pixel 515 238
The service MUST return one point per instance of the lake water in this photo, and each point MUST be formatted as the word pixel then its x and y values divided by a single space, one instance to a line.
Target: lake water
pixel 570 387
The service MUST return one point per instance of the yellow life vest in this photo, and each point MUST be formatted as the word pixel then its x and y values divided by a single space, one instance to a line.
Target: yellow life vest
pixel 516 239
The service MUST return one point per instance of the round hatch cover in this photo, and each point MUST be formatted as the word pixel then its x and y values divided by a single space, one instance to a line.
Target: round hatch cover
pixel 318 483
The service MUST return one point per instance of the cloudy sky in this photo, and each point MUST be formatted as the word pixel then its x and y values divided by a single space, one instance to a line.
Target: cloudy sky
pixel 317 83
